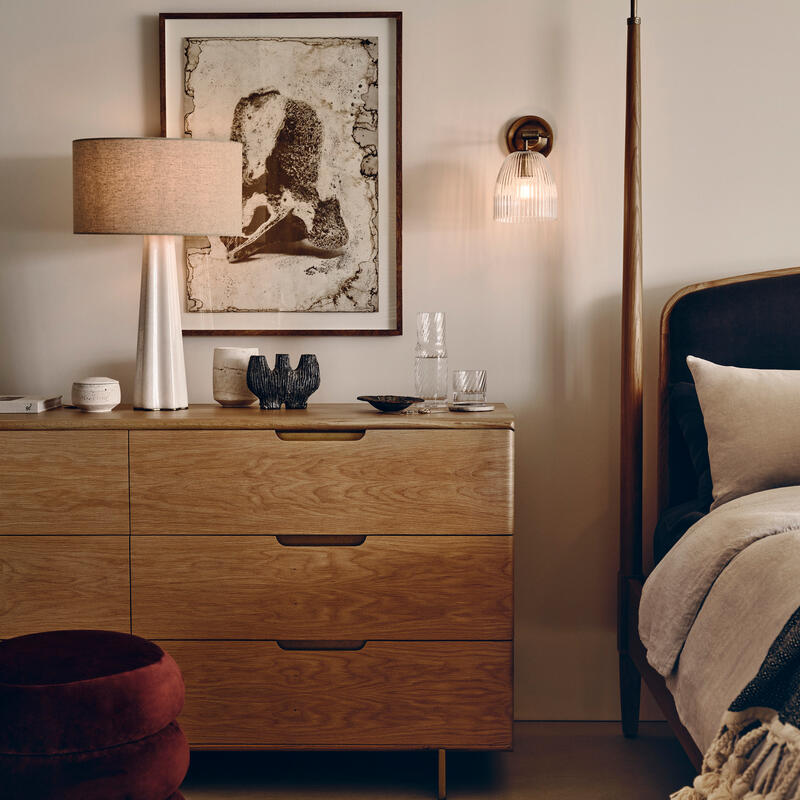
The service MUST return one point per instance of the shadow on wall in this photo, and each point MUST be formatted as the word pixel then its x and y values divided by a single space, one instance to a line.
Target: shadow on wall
pixel 572 473
pixel 567 491
pixel 37 195
pixel 149 59
pixel 443 196
pixel 59 301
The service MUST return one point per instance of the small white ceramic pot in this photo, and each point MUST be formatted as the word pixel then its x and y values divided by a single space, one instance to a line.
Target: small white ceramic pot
pixel 95 394
pixel 230 376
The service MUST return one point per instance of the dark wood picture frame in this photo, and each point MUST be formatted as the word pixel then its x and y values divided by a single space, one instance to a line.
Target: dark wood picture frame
pixel 396 214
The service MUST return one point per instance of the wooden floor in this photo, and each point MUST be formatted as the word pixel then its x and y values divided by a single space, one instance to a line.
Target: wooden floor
pixel 551 761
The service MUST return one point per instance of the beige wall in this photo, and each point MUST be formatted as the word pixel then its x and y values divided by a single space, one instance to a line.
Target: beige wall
pixel 537 306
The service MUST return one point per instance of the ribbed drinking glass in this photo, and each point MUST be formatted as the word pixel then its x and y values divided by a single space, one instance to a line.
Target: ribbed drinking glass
pixel 469 386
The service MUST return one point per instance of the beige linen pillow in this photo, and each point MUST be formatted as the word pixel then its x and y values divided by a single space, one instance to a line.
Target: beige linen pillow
pixel 752 419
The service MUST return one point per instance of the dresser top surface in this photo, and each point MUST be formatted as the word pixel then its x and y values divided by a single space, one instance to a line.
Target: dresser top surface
pixel 319 416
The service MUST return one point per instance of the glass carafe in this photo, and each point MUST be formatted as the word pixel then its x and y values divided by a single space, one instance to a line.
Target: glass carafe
pixel 430 368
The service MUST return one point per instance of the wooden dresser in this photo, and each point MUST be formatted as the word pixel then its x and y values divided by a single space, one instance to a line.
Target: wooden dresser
pixel 332 578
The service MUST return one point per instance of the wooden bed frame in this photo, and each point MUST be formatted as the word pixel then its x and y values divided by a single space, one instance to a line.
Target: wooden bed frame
pixel 742 305
pixel 777 291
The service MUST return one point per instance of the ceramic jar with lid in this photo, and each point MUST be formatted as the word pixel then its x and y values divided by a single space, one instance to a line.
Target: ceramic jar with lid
pixel 95 394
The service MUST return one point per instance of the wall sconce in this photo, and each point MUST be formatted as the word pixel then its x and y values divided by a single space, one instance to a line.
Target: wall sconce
pixel 525 189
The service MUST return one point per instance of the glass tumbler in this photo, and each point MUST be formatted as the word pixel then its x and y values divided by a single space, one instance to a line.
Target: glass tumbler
pixel 469 386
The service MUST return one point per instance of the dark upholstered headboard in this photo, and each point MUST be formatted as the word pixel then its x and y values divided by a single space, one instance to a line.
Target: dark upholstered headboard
pixel 747 321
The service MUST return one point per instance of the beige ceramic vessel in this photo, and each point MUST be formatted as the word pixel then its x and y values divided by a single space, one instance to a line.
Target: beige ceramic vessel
pixel 95 394
pixel 230 376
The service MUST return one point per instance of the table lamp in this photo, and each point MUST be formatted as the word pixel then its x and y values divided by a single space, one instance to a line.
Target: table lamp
pixel 164 189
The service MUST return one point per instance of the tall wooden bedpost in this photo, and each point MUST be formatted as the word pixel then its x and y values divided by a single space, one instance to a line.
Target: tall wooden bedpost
pixel 630 564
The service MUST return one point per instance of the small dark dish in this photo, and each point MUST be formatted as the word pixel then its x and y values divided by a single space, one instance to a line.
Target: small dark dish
pixel 389 402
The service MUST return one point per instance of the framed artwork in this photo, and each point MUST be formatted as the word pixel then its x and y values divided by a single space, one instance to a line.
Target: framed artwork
pixel 314 98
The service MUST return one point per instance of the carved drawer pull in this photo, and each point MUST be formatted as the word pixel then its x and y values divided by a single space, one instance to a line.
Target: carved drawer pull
pixel 321 644
pixel 320 436
pixel 336 540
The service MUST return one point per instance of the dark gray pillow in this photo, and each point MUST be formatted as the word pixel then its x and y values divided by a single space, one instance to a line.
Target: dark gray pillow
pixel 684 408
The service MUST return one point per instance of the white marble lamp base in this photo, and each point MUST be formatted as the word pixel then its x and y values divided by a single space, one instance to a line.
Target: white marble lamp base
pixel 160 372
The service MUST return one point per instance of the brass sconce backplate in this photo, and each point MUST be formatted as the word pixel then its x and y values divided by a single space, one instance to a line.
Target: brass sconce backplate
pixel 532 129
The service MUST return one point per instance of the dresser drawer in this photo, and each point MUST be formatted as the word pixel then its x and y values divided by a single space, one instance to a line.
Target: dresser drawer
pixel 55 582
pixel 64 482
pixel 404 695
pixel 253 482
pixel 387 587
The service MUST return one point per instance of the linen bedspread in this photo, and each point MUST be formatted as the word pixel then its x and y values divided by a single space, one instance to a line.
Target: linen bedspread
pixel 718 618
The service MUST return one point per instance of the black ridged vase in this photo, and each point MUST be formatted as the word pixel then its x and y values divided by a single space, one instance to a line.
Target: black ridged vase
pixel 283 385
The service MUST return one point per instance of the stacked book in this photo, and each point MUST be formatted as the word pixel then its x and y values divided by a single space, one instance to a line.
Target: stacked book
pixel 27 404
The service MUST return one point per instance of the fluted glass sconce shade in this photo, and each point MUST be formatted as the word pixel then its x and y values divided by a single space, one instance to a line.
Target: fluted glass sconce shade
pixel 525 189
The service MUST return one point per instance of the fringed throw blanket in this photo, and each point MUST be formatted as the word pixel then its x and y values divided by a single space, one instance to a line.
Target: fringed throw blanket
pixel 757 752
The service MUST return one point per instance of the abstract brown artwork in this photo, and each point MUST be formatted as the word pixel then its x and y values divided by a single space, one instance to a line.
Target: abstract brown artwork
pixel 305 111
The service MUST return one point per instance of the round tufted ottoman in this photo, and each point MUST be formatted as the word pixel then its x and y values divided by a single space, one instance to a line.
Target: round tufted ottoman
pixel 90 714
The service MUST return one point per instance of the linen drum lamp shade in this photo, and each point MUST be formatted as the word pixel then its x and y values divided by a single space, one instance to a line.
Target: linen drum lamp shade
pixel 162 188
pixel 157 186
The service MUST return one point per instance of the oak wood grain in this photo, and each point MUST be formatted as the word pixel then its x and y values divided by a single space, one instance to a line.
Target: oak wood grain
pixel 64 482
pixel 631 388
pixel 389 587
pixel 317 417
pixel 389 694
pixel 632 349
pixel 232 486
pixel 388 482
pixel 57 582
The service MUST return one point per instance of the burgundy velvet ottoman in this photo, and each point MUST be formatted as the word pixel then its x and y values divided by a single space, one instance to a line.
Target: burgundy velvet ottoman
pixel 90 715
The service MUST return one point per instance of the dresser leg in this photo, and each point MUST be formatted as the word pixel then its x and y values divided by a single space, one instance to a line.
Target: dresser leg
pixel 441 794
